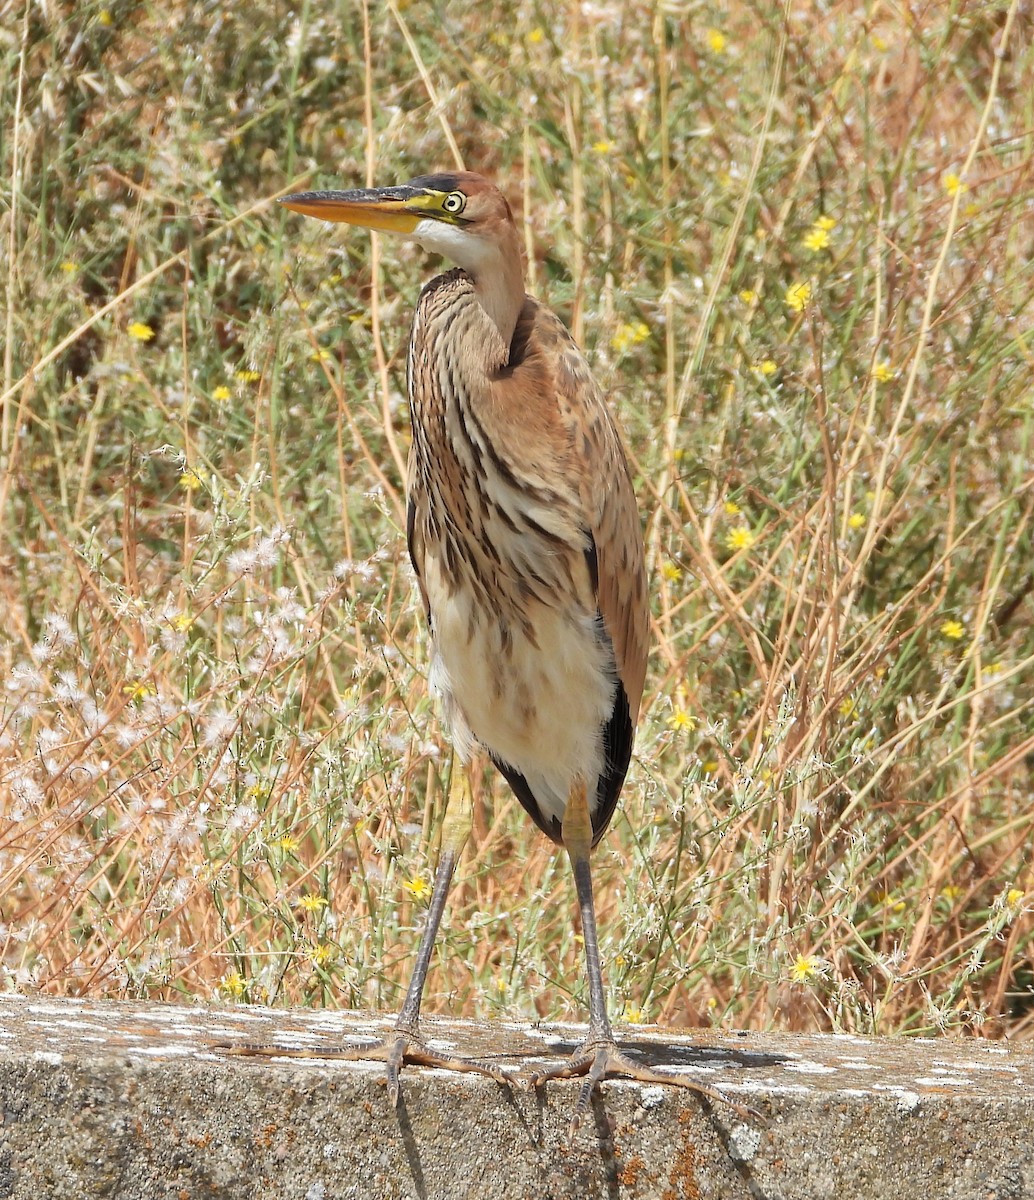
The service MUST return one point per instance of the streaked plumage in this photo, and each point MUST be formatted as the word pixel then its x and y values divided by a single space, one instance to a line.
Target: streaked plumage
pixel 524 532
pixel 525 535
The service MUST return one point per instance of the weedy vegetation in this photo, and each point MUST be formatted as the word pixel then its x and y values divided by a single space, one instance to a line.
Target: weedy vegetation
pixel 797 247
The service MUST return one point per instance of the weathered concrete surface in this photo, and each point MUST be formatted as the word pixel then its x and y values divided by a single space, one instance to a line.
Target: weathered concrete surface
pixel 129 1100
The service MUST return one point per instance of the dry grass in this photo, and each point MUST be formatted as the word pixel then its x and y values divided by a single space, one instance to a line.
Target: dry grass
pixel 220 773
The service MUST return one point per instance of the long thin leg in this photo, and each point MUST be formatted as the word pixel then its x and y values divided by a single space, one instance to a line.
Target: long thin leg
pixel 455 831
pixel 599 1057
pixel 405 1043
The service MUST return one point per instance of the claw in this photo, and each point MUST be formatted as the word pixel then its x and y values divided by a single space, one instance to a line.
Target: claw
pixel 396 1055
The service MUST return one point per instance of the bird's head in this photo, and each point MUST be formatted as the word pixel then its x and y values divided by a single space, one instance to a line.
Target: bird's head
pixel 462 216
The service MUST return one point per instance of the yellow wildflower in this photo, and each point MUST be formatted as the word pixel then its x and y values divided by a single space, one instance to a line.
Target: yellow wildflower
pixel 632 1014
pixel 748 295
pixel 247 375
pixel 139 690
pixel 716 40
pixel 312 903
pixel 603 146
pixel 671 571
pixel 951 893
pixel 767 366
pixel 537 35
pixel 181 622
pixel 847 707
pixel 826 223
pixel 221 393
pixel 680 719
pixel 287 842
pixel 233 985
pixel 1013 897
pixel 856 520
pixel 953 184
pixel 139 331
pixel 321 954
pixel 797 296
pixel 629 335
pixel 69 267
pixel 190 480
pixel 418 886
pixel 815 240
pixel 883 372
pixel 740 538
pixel 807 968
pixel 731 508
pixel 953 630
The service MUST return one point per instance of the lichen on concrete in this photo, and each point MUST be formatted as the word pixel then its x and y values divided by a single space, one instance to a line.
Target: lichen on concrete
pixel 106 1099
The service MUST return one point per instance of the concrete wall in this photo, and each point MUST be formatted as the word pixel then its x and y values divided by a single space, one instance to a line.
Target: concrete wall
pixel 104 1099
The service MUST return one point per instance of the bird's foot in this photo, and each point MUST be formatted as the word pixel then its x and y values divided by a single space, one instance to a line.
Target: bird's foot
pixel 398 1048
pixel 601 1059
pixel 403 1046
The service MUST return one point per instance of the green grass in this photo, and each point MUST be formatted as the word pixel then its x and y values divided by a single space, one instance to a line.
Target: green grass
pixel 220 772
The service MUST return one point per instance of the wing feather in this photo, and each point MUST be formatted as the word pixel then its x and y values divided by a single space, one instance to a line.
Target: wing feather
pixel 545 361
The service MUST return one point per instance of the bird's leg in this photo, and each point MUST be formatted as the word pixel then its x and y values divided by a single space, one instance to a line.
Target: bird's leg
pixel 405 1043
pixel 455 831
pixel 599 1057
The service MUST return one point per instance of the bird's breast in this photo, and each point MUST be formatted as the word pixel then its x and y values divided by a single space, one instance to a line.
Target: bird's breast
pixel 499 540
pixel 531 681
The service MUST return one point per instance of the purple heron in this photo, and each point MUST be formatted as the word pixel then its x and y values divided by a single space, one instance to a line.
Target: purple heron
pixel 525 537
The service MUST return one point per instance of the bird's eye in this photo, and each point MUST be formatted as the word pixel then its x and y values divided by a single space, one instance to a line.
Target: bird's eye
pixel 454 202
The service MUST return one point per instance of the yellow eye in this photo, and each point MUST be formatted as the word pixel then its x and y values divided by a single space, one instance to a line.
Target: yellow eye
pixel 454 202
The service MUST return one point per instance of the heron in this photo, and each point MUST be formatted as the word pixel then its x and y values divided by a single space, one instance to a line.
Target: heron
pixel 525 536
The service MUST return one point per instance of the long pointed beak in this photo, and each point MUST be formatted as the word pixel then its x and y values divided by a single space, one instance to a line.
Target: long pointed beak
pixel 394 209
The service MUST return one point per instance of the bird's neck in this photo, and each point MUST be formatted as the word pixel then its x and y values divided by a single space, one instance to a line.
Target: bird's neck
pixel 499 288
pixel 492 261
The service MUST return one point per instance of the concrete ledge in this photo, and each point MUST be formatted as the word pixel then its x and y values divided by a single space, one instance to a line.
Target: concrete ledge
pixel 105 1099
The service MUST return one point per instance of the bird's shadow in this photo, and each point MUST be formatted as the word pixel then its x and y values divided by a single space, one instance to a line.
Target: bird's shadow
pixel 410 1146
pixel 653 1055
pixel 668 1054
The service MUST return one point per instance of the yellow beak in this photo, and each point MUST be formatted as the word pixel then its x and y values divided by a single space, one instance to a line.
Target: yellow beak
pixel 394 209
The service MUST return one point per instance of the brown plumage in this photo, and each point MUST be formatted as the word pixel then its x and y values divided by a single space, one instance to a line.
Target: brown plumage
pixel 523 529
pixel 525 535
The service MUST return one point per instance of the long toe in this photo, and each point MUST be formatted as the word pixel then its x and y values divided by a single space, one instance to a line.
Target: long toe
pixel 603 1060
pixel 399 1048
pixel 402 1048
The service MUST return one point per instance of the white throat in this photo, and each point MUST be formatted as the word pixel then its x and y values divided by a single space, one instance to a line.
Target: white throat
pixel 498 283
